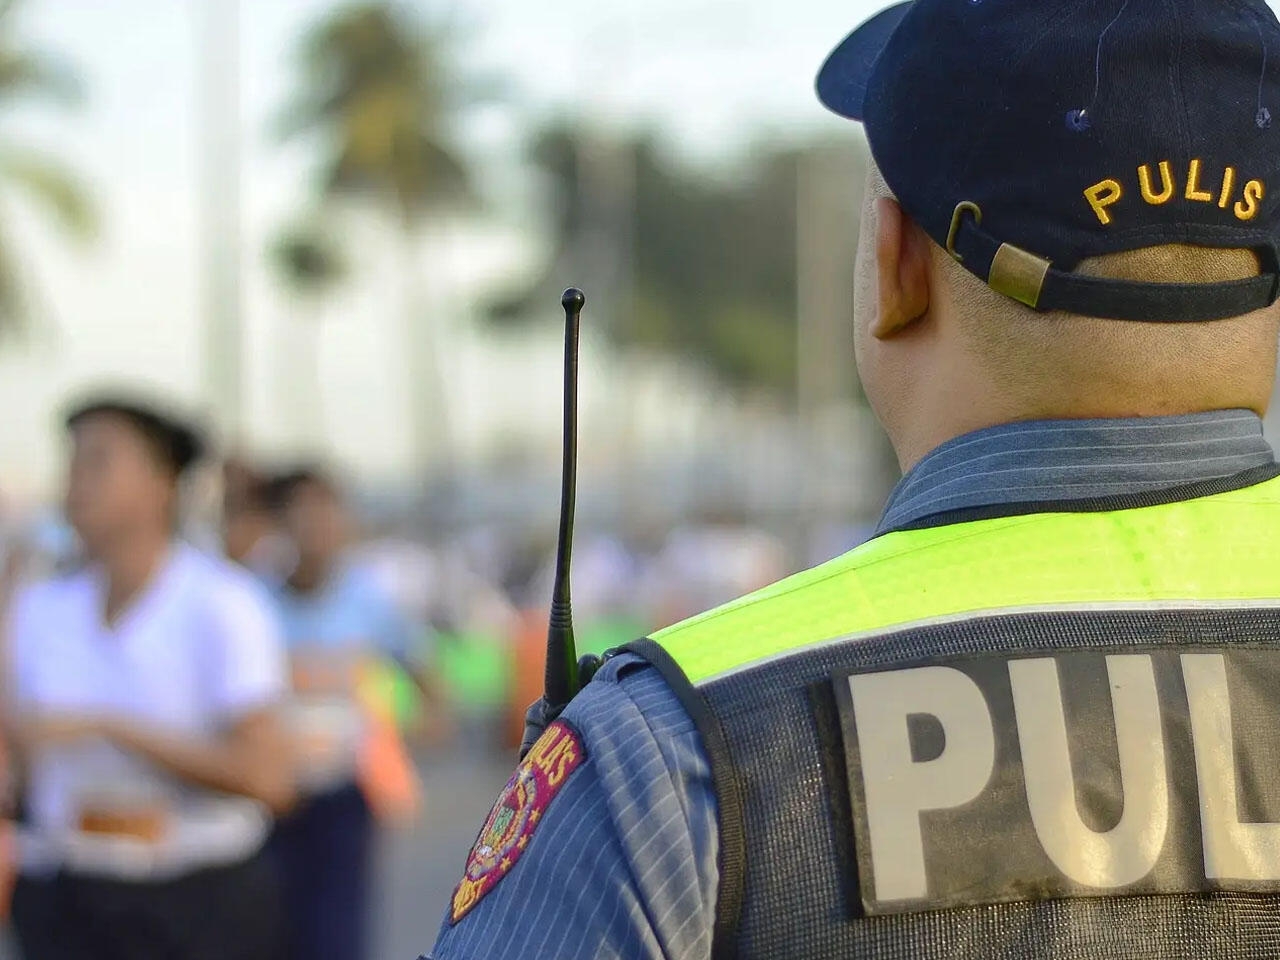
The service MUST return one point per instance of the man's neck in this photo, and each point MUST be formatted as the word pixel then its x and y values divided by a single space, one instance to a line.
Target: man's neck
pixel 129 564
pixel 1052 461
pixel 947 420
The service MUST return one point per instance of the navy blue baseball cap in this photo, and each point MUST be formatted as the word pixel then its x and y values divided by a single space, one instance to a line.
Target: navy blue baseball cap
pixel 1027 135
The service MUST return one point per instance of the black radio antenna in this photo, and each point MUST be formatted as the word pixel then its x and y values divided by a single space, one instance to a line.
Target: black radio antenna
pixel 566 674
pixel 562 655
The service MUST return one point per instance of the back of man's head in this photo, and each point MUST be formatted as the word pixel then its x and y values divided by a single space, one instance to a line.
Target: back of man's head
pixel 941 353
pixel 1114 168
pixel 1059 364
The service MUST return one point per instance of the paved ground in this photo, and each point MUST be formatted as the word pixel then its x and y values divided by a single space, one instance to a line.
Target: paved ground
pixel 420 866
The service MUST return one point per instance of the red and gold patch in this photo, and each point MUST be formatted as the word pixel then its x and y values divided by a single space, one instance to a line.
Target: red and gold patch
pixel 516 814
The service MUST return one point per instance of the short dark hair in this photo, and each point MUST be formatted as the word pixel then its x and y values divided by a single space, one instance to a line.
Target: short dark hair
pixel 283 487
pixel 246 488
pixel 175 443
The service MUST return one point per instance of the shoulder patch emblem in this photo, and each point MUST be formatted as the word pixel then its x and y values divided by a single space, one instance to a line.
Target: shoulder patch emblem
pixel 516 814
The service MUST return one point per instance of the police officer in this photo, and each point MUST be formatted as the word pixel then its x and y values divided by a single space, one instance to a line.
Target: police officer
pixel 1038 714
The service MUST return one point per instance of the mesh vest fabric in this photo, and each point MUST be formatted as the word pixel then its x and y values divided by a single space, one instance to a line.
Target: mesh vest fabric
pixel 757 675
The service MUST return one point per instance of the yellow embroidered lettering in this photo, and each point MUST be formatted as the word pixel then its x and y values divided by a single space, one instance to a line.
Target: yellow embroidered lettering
pixel 1228 186
pixel 1193 185
pixel 1103 195
pixel 566 757
pixel 1248 208
pixel 465 897
pixel 546 743
pixel 552 762
pixel 1166 184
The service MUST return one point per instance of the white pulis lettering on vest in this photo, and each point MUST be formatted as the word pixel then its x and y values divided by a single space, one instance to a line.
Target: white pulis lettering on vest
pixel 898 788
pixel 1083 773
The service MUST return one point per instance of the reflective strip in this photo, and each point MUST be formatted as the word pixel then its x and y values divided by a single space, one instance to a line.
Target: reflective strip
pixel 1222 550
pixel 1031 609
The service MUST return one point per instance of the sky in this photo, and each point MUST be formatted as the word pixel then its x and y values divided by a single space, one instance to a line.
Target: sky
pixel 710 74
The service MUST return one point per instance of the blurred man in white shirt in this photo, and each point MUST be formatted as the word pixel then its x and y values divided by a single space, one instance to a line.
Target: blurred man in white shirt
pixel 143 692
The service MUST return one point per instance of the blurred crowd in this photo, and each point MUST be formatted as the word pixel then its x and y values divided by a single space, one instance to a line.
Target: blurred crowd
pixel 219 683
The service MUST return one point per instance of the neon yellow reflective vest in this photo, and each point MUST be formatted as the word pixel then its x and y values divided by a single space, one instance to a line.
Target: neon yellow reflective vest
pixel 1220 549
pixel 1046 735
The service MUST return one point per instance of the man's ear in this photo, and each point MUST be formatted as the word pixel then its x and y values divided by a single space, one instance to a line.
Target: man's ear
pixel 902 271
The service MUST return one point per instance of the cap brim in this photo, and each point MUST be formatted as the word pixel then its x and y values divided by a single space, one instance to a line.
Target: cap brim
pixel 843 79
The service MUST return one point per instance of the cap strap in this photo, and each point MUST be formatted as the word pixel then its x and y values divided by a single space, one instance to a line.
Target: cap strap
pixel 1157 302
pixel 1031 280
pixel 1018 275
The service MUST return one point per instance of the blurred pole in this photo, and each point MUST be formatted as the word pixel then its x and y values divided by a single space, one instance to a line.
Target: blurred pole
pixel 809 345
pixel 607 165
pixel 425 316
pixel 828 188
pixel 219 215
pixel 606 147
pixel 298 387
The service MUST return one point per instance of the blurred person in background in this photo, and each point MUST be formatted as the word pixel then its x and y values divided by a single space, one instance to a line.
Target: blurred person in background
pixel 251 534
pixel 339 623
pixel 436 586
pixel 142 696
pixel 472 626
pixel 709 561
pixel 14 571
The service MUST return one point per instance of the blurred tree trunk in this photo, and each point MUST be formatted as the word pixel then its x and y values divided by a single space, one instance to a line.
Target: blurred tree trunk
pixel 380 85
pixel 430 437
pixel 299 384
pixel 306 259
pixel 220 211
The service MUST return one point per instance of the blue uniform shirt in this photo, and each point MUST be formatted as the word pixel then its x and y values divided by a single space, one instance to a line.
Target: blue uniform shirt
pixel 623 865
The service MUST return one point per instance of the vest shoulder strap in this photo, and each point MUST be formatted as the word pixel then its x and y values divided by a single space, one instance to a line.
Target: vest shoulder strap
pixel 1219 550
pixel 1222 549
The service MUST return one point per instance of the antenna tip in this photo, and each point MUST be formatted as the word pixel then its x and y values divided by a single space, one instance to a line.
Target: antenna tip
pixel 573 299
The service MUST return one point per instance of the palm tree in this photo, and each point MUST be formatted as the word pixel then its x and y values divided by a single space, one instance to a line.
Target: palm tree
pixel 377 92
pixel 307 258
pixel 27 74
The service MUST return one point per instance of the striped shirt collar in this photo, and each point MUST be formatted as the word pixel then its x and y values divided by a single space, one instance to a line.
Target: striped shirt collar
pixel 1056 460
